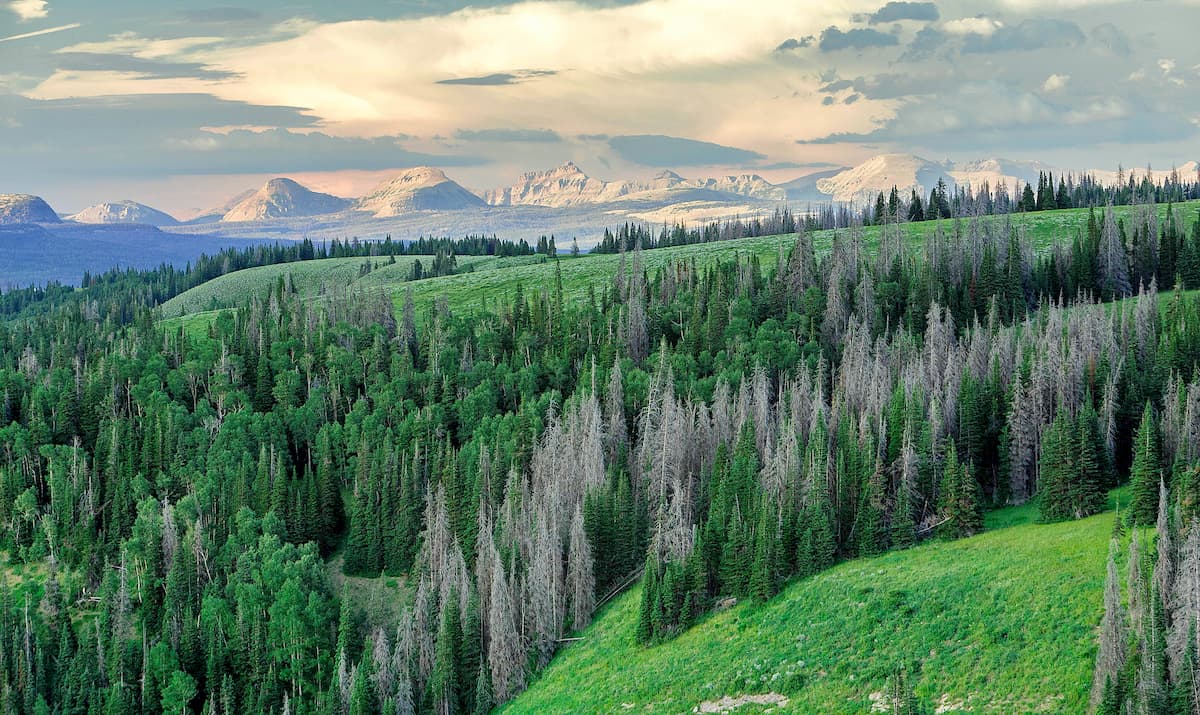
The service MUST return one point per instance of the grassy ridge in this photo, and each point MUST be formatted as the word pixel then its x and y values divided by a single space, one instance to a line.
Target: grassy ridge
pixel 493 279
pixel 1002 622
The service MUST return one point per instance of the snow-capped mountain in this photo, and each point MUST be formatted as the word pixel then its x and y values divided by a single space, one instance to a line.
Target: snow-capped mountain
pixel 24 208
pixel 561 187
pixel 568 186
pixel 879 174
pixel 907 172
pixel 421 189
pixel 749 185
pixel 124 212
pixel 283 198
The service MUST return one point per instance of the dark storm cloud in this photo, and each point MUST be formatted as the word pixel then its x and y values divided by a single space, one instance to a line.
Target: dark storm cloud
pixel 498 79
pixel 833 39
pixel 1043 33
pixel 541 136
pixel 894 11
pixel 663 151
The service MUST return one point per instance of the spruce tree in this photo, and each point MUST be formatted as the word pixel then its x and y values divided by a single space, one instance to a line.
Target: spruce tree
pixel 1058 471
pixel 1144 475
pixel 763 572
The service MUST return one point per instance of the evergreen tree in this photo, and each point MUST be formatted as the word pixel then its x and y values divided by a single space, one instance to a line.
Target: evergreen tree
pixel 1144 475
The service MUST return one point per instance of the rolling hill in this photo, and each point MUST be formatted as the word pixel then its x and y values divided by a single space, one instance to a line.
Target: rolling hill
pixel 493 280
pixel 1001 622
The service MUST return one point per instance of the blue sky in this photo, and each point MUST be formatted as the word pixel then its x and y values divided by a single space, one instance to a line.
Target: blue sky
pixel 183 104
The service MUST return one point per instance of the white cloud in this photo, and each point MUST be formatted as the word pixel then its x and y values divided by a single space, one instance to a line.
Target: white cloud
pixel 29 9
pixel 984 26
pixel 134 45
pixel 674 60
pixel 1055 82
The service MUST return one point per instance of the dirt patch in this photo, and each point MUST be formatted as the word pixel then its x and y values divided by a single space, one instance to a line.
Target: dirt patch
pixel 947 704
pixel 729 704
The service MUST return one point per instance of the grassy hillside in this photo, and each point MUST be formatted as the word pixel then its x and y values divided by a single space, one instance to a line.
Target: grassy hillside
pixel 1002 622
pixel 308 277
pixel 493 279
pixel 476 289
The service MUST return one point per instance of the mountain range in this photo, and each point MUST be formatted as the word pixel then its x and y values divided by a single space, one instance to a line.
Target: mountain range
pixel 563 199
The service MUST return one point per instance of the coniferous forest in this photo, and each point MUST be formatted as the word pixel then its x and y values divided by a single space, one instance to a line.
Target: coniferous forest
pixel 343 505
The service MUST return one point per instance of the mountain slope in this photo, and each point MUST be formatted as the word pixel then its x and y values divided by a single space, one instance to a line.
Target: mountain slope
pixel 124 212
pixel 880 173
pixel 1001 622
pixel 281 198
pixel 24 208
pixel 420 189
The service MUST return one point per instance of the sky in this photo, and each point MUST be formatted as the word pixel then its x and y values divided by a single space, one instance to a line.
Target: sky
pixel 181 105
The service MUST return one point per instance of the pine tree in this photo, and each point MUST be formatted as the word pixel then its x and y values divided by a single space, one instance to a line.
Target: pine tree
pixel 1059 471
pixel 1145 475
pixel 870 525
pixel 960 498
pixel 645 626
pixel 444 682
pixel 763 574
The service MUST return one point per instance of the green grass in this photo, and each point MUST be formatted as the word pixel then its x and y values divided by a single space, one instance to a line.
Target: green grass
pixel 492 280
pixel 1002 622
pixel 308 277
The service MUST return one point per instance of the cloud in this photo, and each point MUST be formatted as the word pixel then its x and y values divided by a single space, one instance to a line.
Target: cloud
pixel 837 86
pixel 280 150
pixel 778 165
pixel 663 151
pixel 29 9
pixel 1110 37
pixel 833 39
pixel 508 135
pixel 828 101
pixel 39 33
pixel 1055 82
pixel 1042 33
pixel 989 117
pixel 980 25
pixel 926 42
pixel 792 44
pixel 498 78
pixel 222 14
pixel 134 45
pixel 166 141
pixel 895 11
pixel 852 99
pixel 92 62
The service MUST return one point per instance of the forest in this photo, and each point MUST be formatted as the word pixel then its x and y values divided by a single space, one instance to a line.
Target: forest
pixel 198 508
